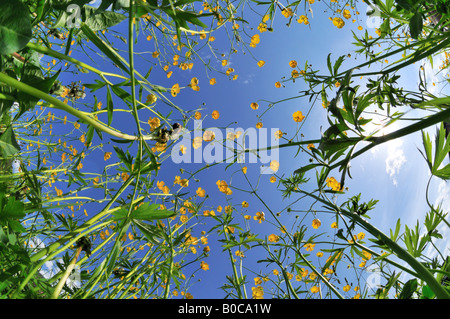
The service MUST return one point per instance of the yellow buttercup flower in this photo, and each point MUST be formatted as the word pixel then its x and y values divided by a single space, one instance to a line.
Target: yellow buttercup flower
pixel 298 116
pixel 287 12
pixel 274 165
pixel 254 40
pixel 346 14
pixel 303 19
pixel 175 89
pixel 151 98
pixel 261 63
pixel 260 217
pixel 338 22
pixel 316 223
pixel 254 105
pixel 59 192
pixel 333 184
pixel 257 292
pixel 200 192
pixel 223 187
pixel 204 266
pixel 154 123
pixel 197 142
pixel 292 63
pixel 107 156
pixel 209 136
pixel 262 27
pixel 194 84
pixel 215 114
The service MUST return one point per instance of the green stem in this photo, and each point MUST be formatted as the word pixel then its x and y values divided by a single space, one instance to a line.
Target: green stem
pixel 62 106
pixel 389 261
pixel 418 126
pixel 66 275
pixel 60 56
pixel 235 273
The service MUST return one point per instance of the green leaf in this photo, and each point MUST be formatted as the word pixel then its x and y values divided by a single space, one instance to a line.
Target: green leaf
pixel 306 168
pixel 152 233
pixel 442 147
pixel 335 258
pixel 33 77
pixel 427 145
pixel 333 146
pixel 127 159
pixel 337 64
pixel 109 105
pixel 443 173
pixel 416 25
pixel 95 87
pixel 408 289
pixel 427 293
pixel 8 143
pixel 100 20
pixel 11 211
pixel 63 4
pixel 105 48
pixel 150 212
pixel 15 26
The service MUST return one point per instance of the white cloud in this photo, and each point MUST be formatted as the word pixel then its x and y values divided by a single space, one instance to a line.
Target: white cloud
pixel 443 195
pixel 395 159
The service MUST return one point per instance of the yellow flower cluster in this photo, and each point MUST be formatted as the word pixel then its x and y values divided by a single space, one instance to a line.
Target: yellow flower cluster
pixel 254 40
pixel 338 22
pixel 333 184
pixel 162 187
pixel 303 19
pixel 194 84
pixel 257 292
pixel 182 182
pixel 154 123
pixel 223 187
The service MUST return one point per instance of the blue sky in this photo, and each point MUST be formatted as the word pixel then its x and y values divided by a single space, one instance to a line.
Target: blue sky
pixel 394 173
